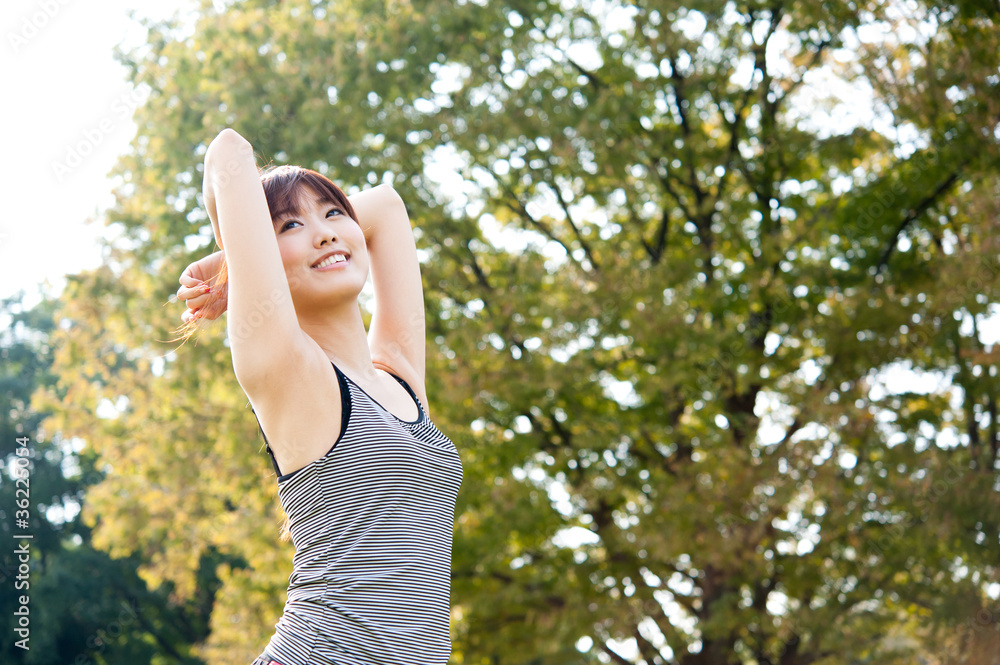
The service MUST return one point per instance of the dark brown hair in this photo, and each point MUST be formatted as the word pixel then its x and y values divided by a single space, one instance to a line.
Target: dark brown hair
pixel 283 187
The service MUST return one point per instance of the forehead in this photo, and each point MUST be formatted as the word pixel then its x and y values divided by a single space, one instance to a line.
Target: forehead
pixel 307 195
pixel 304 198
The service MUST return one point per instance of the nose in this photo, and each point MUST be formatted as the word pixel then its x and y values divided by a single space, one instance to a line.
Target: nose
pixel 324 235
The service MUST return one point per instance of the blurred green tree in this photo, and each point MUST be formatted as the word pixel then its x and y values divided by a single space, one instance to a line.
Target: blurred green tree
pixel 83 606
pixel 691 271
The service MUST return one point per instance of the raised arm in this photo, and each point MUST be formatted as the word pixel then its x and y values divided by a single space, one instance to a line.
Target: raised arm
pixel 396 335
pixel 263 331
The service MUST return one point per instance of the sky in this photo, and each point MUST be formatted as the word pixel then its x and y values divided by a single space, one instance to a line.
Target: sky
pixel 67 118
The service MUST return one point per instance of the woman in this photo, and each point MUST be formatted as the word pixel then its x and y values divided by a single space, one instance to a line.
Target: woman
pixel 367 482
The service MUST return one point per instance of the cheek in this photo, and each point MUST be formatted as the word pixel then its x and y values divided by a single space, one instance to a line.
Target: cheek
pixel 357 240
pixel 362 255
pixel 357 236
pixel 291 261
pixel 286 256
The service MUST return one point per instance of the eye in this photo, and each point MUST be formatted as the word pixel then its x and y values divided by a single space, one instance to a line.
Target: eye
pixel 335 211
pixel 287 224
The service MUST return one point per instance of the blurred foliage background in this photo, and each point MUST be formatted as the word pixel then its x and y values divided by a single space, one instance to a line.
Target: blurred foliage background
pixel 707 290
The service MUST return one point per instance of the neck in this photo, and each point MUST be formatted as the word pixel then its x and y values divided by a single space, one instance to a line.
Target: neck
pixel 341 333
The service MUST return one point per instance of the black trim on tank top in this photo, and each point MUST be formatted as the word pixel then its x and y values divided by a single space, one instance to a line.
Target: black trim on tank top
pixel 345 416
pixel 421 414
pixel 420 409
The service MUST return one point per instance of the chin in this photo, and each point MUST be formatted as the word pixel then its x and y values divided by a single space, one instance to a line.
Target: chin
pixel 333 298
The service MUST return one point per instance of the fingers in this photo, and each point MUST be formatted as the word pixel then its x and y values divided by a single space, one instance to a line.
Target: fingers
pixel 197 293
pixel 195 290
pixel 210 313
pixel 196 297
pixel 216 304
pixel 202 303
pixel 198 303
pixel 187 277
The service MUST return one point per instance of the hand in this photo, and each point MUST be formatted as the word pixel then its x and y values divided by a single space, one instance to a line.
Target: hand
pixel 201 291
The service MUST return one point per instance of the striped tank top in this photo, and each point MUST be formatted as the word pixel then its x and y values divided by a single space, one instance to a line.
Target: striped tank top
pixel 372 524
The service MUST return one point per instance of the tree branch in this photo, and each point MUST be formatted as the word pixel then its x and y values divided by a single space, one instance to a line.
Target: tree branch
pixel 477 270
pixel 817 56
pixel 592 78
pixel 519 207
pixel 994 434
pixel 638 222
pixel 614 655
pixel 647 649
pixel 661 235
pixel 914 213
pixel 569 220
pixel 676 640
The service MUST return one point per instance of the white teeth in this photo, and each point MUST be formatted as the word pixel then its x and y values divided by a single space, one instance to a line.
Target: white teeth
pixel 336 258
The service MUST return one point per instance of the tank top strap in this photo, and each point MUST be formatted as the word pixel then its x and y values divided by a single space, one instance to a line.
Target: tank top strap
pixel 267 446
pixel 345 417
pixel 416 400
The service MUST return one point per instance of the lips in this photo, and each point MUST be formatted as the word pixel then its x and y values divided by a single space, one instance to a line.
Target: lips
pixel 332 258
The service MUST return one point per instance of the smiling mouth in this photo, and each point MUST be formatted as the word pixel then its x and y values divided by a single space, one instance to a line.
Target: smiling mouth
pixel 331 260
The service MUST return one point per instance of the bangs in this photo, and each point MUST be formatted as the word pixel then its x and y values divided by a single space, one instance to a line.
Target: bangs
pixel 284 187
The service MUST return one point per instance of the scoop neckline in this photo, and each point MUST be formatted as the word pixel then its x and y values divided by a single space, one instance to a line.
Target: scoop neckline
pixel 420 409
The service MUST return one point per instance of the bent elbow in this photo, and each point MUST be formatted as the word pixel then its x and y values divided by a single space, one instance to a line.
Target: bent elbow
pixel 389 196
pixel 230 136
pixel 227 145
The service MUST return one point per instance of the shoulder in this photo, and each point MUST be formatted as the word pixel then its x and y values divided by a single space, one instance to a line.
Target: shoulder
pixel 414 379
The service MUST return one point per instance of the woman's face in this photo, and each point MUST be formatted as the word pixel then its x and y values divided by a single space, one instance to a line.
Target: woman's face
pixel 323 251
